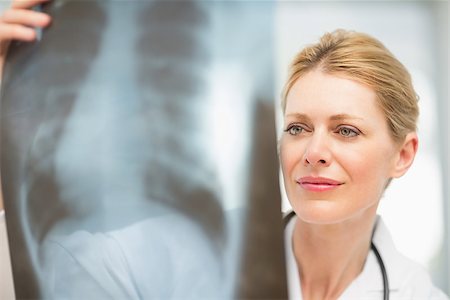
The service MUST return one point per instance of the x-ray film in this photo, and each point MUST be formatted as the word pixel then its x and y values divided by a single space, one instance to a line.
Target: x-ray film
pixel 138 153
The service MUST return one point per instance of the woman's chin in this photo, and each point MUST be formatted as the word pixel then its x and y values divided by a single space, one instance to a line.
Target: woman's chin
pixel 322 212
pixel 332 212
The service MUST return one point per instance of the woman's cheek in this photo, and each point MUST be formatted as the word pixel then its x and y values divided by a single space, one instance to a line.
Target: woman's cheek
pixel 288 159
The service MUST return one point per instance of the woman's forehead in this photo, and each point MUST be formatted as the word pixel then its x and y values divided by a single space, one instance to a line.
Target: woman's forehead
pixel 319 92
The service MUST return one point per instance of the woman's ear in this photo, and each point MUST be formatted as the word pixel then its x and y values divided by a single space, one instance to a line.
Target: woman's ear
pixel 405 155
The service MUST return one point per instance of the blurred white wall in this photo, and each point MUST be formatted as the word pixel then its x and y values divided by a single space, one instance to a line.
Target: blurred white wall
pixel 413 206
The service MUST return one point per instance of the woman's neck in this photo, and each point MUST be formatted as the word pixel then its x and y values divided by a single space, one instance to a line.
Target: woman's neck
pixel 330 257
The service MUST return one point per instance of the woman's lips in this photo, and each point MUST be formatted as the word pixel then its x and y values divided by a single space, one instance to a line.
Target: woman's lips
pixel 318 184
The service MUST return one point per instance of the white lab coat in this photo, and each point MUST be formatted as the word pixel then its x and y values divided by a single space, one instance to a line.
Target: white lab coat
pixel 407 279
pixel 6 279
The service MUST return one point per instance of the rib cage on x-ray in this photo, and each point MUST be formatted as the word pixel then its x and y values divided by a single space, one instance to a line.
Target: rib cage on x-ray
pixel 110 119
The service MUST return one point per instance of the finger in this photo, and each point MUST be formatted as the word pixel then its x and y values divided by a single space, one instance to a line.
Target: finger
pixel 16 32
pixel 26 3
pixel 25 17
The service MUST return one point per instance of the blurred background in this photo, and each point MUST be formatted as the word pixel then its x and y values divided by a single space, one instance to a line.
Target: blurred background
pixel 415 207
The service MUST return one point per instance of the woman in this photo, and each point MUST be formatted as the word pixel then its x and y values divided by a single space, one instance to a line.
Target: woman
pixel 350 115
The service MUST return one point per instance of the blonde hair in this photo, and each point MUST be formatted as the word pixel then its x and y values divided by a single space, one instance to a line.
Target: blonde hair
pixel 366 60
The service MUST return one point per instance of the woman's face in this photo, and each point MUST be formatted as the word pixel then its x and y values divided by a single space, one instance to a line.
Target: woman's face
pixel 336 151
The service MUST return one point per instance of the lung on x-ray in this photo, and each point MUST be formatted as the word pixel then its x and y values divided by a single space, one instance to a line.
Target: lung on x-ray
pixel 138 153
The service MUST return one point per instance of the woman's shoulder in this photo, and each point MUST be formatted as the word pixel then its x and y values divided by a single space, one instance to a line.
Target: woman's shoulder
pixel 418 285
pixel 412 281
pixel 407 278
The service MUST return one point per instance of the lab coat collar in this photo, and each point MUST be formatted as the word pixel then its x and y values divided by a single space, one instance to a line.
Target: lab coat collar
pixel 371 276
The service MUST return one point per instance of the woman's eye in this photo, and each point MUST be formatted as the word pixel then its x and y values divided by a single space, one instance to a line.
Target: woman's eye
pixel 347 132
pixel 294 130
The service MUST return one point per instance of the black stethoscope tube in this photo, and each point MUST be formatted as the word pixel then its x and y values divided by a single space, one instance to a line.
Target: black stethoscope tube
pixel 374 249
pixel 383 272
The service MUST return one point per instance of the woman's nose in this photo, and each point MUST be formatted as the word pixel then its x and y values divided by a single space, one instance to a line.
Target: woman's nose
pixel 317 152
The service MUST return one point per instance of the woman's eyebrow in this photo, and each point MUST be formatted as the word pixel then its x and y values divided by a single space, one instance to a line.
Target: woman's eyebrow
pixel 298 117
pixel 340 117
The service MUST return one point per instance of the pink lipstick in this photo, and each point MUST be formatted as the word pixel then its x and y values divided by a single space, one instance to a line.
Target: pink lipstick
pixel 318 184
